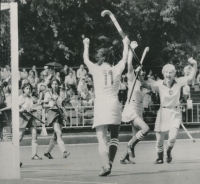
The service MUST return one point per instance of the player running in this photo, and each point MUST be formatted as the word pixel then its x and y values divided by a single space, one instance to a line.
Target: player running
pixel 133 111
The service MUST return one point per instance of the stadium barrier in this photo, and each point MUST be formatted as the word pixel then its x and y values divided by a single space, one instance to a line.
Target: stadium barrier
pixel 82 116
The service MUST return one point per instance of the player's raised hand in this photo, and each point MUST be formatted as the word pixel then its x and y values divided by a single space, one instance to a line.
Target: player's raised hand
pixel 191 61
pixel 126 41
pixel 134 44
pixel 86 41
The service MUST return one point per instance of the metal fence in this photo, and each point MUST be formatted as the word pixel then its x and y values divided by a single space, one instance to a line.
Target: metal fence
pixel 82 116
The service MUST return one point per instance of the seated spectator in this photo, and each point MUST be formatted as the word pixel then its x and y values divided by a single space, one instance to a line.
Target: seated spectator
pixel 70 81
pixel 81 72
pixel 198 77
pixel 34 70
pixel 74 73
pixel 91 96
pixel 24 74
pixel 63 93
pixel 33 80
pixel 82 88
pixel 88 81
pixel 150 75
pixel 41 92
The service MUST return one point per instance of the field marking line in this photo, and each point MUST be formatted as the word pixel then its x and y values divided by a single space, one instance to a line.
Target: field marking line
pixel 66 181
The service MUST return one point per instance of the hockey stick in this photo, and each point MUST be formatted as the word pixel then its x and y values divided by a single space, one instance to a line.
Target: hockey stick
pixel 31 115
pixel 187 133
pixel 107 12
pixel 4 109
pixel 136 77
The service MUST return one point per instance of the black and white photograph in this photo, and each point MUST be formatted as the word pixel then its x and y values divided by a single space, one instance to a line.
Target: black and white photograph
pixel 99 91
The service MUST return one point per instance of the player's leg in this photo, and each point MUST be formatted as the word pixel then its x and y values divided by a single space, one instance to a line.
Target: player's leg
pixel 143 131
pixel 160 137
pixel 113 146
pixel 57 128
pixel 21 135
pixel 125 157
pixel 51 145
pixel 101 132
pixel 170 143
pixel 34 156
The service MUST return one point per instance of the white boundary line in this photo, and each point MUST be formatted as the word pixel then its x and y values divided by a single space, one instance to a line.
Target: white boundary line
pixel 91 144
pixel 66 181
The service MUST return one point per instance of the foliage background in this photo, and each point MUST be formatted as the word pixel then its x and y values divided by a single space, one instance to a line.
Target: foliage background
pixel 52 30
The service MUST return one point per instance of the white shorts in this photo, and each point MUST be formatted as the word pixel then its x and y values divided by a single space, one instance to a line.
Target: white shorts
pixel 107 111
pixel 131 111
pixel 168 118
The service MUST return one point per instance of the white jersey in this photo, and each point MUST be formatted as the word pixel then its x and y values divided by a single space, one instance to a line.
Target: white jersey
pixel 107 108
pixel 169 96
pixel 25 102
pixel 106 79
pixel 169 115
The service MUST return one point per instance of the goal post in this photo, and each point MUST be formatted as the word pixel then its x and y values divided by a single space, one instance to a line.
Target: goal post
pixel 9 150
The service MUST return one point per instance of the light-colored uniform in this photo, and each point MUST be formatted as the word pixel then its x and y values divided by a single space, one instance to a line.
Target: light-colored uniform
pixel 26 103
pixel 135 107
pixel 169 115
pixel 107 108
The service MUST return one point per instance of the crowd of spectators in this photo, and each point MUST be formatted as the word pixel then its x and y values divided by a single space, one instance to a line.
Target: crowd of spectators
pixel 78 85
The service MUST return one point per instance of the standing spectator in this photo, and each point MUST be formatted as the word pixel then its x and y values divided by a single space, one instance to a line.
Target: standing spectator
pixel 46 68
pixel 122 90
pixel 150 75
pixel 64 72
pixel 58 77
pixel 81 72
pixel 70 81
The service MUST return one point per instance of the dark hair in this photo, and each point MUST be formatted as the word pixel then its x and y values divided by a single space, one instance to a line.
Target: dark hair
pixel 105 55
pixel 25 85
pixel 53 79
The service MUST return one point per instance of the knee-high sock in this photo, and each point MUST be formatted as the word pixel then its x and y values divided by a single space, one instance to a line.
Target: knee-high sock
pixel 160 150
pixel 170 145
pixel 113 149
pixel 61 143
pixel 52 143
pixel 138 137
pixel 34 147
pixel 103 153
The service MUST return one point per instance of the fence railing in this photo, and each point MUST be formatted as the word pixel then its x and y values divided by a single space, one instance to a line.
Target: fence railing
pixel 82 116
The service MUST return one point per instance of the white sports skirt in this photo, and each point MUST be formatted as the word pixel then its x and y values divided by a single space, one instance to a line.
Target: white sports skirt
pixel 168 118
pixel 107 111
pixel 131 111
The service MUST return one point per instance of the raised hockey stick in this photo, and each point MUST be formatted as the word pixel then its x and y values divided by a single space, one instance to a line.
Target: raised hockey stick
pixel 107 12
pixel 187 133
pixel 136 77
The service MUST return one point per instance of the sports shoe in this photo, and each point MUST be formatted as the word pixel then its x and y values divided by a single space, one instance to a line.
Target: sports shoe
pixel 168 158
pixel 48 155
pixel 130 150
pixel 20 164
pixel 159 161
pixel 36 157
pixel 126 161
pixel 66 154
pixel 105 171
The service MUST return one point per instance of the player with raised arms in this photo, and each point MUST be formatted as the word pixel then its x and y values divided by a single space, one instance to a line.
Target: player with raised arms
pixel 169 116
pixel 133 111
pixel 107 108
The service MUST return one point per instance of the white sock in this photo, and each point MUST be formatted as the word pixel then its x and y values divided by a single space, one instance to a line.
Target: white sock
pixel 34 147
